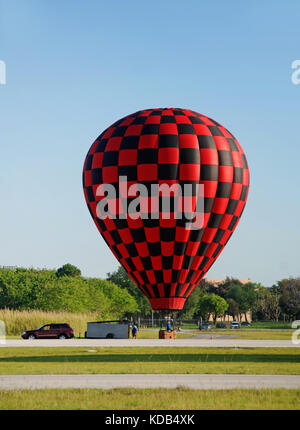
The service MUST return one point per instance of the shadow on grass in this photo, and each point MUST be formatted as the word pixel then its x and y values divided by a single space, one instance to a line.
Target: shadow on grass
pixel 153 358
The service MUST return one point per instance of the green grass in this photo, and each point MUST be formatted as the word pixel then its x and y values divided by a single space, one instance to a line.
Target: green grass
pixel 150 399
pixel 188 326
pixel 270 325
pixel 254 335
pixel 149 360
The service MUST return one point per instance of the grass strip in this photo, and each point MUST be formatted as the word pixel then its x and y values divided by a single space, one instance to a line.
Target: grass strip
pixel 150 399
pixel 149 360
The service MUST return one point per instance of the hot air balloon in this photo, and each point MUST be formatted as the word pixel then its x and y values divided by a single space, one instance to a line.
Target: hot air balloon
pixel 166 256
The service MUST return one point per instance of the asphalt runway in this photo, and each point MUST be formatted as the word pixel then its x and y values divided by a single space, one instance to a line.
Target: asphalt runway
pixel 191 342
pixel 12 382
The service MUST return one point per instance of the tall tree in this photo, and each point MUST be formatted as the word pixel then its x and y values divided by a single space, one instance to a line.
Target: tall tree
pixel 219 306
pixel 233 308
pixel 211 304
pixel 205 307
pixel 289 290
pixel 68 270
pixel 262 309
pixel 244 295
pixel 121 278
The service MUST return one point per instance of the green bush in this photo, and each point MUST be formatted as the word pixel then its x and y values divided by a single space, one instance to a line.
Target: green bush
pixel 24 289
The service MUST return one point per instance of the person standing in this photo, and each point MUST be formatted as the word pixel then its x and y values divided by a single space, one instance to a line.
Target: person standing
pixel 134 331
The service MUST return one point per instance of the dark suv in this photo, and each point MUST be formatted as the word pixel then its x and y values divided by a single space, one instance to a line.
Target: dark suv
pixel 50 331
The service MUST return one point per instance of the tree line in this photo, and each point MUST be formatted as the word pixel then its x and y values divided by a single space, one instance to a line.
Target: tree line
pixel 65 289
pixel 281 302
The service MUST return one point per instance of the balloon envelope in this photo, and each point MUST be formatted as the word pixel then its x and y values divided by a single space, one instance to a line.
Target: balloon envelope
pixel 166 256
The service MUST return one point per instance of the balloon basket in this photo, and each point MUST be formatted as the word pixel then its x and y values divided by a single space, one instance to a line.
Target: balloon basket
pixel 165 334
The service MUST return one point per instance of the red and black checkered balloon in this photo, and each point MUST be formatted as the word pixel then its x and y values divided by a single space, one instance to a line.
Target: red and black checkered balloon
pixel 167 258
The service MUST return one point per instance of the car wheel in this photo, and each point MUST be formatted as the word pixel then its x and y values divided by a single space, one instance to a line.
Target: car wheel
pixel 62 336
pixel 110 336
pixel 31 337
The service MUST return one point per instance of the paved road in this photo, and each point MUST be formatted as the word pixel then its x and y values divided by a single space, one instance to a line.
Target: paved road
pixel 192 342
pixel 9 382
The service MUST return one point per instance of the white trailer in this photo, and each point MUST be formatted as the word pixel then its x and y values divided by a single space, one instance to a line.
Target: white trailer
pixel 107 330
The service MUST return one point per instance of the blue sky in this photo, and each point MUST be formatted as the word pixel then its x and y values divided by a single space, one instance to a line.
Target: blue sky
pixel 74 67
